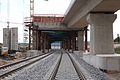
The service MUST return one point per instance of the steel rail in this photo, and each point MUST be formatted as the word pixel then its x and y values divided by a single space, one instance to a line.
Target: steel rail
pixel 21 67
pixel 79 72
pixel 53 71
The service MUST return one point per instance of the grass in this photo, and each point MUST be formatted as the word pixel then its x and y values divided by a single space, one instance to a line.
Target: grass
pixel 117 50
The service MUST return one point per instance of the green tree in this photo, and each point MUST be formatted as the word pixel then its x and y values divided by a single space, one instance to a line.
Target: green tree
pixel 117 39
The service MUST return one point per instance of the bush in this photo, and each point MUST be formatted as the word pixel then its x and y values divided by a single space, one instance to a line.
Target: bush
pixel 117 50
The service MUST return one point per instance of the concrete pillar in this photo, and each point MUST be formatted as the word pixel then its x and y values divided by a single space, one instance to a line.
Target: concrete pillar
pixel 101 33
pixel 80 40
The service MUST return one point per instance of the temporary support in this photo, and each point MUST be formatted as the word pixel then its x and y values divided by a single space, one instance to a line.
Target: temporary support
pixel 42 42
pixel 74 42
pixel 86 42
pixel 37 39
pixel 66 42
pixel 69 43
pixel 81 40
pixel 39 44
pixel 29 37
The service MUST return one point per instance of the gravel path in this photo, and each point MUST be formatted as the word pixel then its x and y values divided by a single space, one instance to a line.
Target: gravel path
pixel 91 71
pixel 36 71
pixel 66 69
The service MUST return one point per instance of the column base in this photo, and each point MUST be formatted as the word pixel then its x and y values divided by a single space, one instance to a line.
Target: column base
pixel 79 53
pixel 106 62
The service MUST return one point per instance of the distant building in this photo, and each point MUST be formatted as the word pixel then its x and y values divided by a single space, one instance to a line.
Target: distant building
pixel 5 37
pixel 10 38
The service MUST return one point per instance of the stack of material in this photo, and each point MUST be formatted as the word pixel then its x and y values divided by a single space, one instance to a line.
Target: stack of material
pixel 32 53
pixel 2 62
pixel 18 55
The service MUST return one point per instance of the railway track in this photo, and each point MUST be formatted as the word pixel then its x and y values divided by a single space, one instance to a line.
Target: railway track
pixel 58 66
pixel 65 68
pixel 14 67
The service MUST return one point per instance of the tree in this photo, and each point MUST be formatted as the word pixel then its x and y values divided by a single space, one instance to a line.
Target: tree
pixel 117 39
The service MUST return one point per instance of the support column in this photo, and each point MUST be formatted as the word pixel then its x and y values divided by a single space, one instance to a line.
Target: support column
pixel 81 40
pixel 65 43
pixel 29 37
pixel 74 41
pixel 101 33
pixel 39 43
pixel 42 41
pixel 34 40
pixel 37 39
pixel 69 44
pixel 86 42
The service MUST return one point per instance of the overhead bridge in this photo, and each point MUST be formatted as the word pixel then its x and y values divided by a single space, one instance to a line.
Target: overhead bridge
pixel 46 29
pixel 71 29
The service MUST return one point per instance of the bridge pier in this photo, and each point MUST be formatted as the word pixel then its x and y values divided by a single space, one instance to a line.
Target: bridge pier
pixel 101 42
pixel 101 33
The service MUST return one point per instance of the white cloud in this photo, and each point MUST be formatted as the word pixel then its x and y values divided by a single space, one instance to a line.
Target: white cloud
pixel 116 25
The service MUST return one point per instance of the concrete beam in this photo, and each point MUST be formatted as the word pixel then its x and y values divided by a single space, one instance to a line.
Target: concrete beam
pixel 76 16
pixel 82 8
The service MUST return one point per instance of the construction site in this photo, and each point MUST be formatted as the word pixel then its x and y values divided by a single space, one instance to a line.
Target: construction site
pixel 56 46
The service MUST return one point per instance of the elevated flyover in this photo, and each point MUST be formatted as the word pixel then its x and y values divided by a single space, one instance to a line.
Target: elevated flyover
pixel 49 28
pixel 71 28
pixel 79 9
pixel 99 14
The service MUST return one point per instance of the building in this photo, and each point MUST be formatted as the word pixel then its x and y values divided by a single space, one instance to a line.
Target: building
pixel 10 38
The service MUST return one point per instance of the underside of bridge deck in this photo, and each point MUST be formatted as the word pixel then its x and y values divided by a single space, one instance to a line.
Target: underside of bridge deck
pixel 44 38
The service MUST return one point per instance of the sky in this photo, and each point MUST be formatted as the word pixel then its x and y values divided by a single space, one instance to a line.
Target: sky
pixel 19 9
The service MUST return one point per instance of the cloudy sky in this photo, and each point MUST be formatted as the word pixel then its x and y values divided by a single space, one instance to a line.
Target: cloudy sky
pixel 18 9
